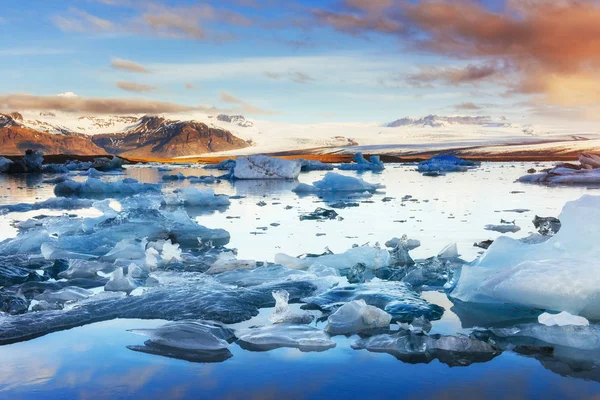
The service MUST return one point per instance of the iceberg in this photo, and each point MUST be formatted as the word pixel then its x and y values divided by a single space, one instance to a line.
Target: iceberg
pixel 568 174
pixel 356 316
pixel 445 163
pixel 105 164
pixel 282 313
pixel 5 164
pixel 69 293
pixel 395 298
pixel 189 335
pixel 419 348
pixel 361 164
pixel 93 187
pixel 371 257
pixel 194 197
pixel 224 165
pixel 558 274
pixel 336 183
pixel 119 282
pixel 227 261
pixel 302 337
pixel 264 167
pixel 504 228
pixel 584 337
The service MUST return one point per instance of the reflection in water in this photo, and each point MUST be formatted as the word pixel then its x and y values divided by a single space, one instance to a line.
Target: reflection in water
pixel 258 188
pixel 199 356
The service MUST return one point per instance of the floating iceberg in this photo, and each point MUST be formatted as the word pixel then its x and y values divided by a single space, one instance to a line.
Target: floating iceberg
pixel 224 165
pixel 574 336
pixel 119 282
pixel 333 183
pixel 395 298
pixel 282 313
pixel 5 164
pixel 445 163
pixel 70 293
pixel 504 228
pixel 314 165
pixel 356 316
pixel 588 172
pixel 320 214
pixel 264 167
pixel 105 164
pixel 302 337
pixel 558 274
pixel 194 197
pixel 93 187
pixel 419 348
pixel 361 164
pixel 55 203
pixel 190 335
pixel 371 257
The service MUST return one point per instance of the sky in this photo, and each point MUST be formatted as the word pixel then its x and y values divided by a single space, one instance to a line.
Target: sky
pixel 304 61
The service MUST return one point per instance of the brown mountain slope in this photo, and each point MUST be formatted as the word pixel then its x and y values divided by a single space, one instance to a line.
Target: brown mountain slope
pixel 16 138
pixel 156 137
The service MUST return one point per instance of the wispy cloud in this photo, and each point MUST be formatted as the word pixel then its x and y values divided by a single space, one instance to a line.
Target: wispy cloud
pixel 244 107
pixel 127 65
pixel 468 106
pixel 135 87
pixel 294 76
pixel 471 74
pixel 76 20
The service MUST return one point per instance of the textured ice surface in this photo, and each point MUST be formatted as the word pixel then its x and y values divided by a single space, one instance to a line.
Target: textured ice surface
pixel 206 197
pixel 588 172
pixel 70 293
pixel 446 163
pixel 560 274
pixel 579 337
pixel 371 257
pixel 314 165
pixel 303 337
pixel 356 316
pixel 361 164
pixel 419 348
pixel 283 314
pixel 264 167
pixel 188 298
pixel 562 319
pixel 190 335
pixel 93 187
pixel 227 261
pixel 395 298
pixel 333 182
pixel 58 203
pixel 119 282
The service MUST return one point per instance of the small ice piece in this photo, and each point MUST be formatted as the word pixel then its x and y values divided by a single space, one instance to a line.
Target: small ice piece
pixel 58 203
pixel 95 187
pixel 189 335
pixel 69 293
pixel 52 252
pixel 562 319
pixel 119 282
pixel 359 274
pixel 504 228
pixel 371 257
pixel 356 316
pixel 546 226
pixel 320 214
pixel 418 325
pixel 334 183
pixel 264 167
pixel 224 165
pixel 445 163
pixel 206 197
pixel 409 244
pixel 176 177
pixel 303 337
pixel 136 272
pixel 227 261
pixel 314 165
pixel 282 313
pixel 586 337
pixel 86 269
pixel 105 164
pixel 170 252
pixel 128 249
pixel 361 164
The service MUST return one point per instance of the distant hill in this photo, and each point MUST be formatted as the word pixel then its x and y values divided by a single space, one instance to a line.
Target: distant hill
pixel 436 121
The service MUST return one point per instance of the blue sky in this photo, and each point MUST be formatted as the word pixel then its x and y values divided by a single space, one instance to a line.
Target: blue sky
pixel 308 61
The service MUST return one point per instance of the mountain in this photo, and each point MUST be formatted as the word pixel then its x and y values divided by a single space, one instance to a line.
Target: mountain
pixel 145 137
pixel 436 121
pixel 15 138
pixel 157 137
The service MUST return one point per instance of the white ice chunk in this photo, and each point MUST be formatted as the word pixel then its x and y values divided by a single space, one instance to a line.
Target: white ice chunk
pixel 195 197
pixel 450 251
pixel 357 316
pixel 562 319
pixel 303 337
pixel 119 282
pixel 187 335
pixel 264 167
pixel 96 187
pixel 504 228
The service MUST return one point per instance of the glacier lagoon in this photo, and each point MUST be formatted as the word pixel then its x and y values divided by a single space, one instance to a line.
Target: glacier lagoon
pixel 104 358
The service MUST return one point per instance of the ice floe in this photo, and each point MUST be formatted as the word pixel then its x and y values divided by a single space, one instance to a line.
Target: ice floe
pixel 282 313
pixel 93 187
pixel 445 163
pixel 333 182
pixel 264 167
pixel 356 316
pixel 303 337
pixel 362 164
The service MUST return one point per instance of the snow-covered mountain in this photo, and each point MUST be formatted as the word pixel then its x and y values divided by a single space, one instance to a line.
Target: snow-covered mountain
pixel 436 121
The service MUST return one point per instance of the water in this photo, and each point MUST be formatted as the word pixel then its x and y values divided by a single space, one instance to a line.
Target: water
pixel 93 362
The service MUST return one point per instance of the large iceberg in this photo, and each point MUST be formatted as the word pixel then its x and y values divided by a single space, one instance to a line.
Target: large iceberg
pixel 560 274
pixel 361 164
pixel 336 183
pixel 190 335
pixel 303 337
pixel 445 163
pixel 264 167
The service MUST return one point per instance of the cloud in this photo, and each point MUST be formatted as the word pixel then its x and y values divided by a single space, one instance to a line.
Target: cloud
pixel 190 86
pixel 227 98
pixel 369 5
pixel 81 21
pixel 135 87
pixel 127 65
pixel 470 74
pixel 19 101
pixel 243 107
pixel 467 106
pixel 294 76
pixel 357 24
